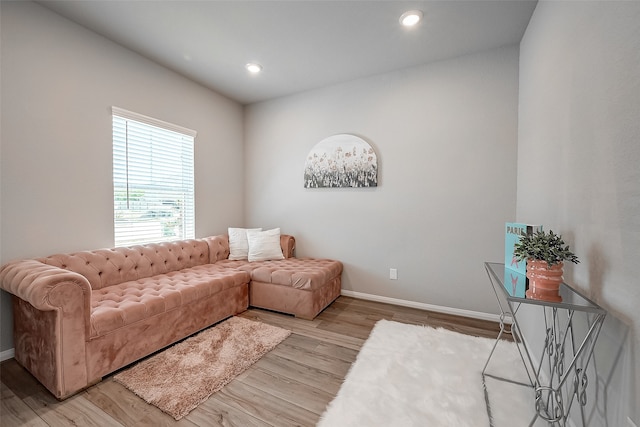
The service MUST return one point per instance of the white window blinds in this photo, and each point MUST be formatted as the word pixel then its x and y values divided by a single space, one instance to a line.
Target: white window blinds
pixel 153 189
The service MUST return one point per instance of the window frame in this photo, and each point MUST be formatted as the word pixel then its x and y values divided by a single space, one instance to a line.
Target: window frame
pixel 186 211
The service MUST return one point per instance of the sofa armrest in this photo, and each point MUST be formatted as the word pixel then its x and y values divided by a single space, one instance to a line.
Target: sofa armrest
pixel 218 248
pixel 47 287
pixel 51 310
pixel 288 245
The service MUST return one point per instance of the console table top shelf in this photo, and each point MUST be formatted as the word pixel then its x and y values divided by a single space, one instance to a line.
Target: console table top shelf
pixel 571 298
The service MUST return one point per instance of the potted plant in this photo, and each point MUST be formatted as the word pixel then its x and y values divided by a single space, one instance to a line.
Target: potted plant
pixel 545 254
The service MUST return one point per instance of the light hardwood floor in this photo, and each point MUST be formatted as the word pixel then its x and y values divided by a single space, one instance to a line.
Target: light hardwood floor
pixel 290 386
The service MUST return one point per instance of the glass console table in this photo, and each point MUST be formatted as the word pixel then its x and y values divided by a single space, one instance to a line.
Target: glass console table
pixel 559 376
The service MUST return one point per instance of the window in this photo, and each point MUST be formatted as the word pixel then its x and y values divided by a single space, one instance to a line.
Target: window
pixel 153 191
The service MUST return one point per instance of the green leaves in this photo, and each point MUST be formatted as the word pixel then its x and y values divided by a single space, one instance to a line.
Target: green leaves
pixel 543 246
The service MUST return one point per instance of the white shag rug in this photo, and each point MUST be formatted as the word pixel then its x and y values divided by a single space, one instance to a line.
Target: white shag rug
pixel 408 375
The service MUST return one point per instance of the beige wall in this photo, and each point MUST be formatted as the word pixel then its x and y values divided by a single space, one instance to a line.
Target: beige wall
pixel 445 136
pixel 579 172
pixel 58 84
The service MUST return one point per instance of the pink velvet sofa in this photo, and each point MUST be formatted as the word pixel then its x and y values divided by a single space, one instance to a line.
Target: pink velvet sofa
pixel 81 316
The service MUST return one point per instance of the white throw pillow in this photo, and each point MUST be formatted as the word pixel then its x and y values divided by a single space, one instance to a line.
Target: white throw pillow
pixel 238 243
pixel 264 245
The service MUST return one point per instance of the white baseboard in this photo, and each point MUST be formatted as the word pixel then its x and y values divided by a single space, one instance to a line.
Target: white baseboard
pixel 7 354
pixel 423 306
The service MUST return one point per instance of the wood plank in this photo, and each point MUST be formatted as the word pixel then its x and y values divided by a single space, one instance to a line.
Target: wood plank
pixel 336 351
pixel 265 406
pixel 290 323
pixel 318 361
pixel 321 347
pixel 297 393
pixel 216 412
pixel 130 410
pixel 350 323
pixel 14 412
pixel 365 307
pixel 76 410
pixel 19 380
pixel 306 374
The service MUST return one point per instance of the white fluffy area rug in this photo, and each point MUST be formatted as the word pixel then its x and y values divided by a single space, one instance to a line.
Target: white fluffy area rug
pixel 186 374
pixel 408 375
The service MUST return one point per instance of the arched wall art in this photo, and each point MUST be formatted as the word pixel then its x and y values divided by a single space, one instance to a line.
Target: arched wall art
pixel 341 161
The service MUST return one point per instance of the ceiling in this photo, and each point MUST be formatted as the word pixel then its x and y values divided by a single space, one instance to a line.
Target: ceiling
pixel 302 44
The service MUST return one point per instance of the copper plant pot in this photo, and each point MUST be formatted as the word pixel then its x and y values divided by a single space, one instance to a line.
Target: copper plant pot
pixel 544 282
pixel 543 295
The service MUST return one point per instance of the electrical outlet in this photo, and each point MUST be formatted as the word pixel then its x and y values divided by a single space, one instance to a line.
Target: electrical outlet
pixel 393 273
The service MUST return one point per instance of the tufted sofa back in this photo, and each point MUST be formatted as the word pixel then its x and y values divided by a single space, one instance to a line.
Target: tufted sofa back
pixel 107 267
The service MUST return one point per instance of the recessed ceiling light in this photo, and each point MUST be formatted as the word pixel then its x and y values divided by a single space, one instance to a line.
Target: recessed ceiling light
pixel 253 67
pixel 411 18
